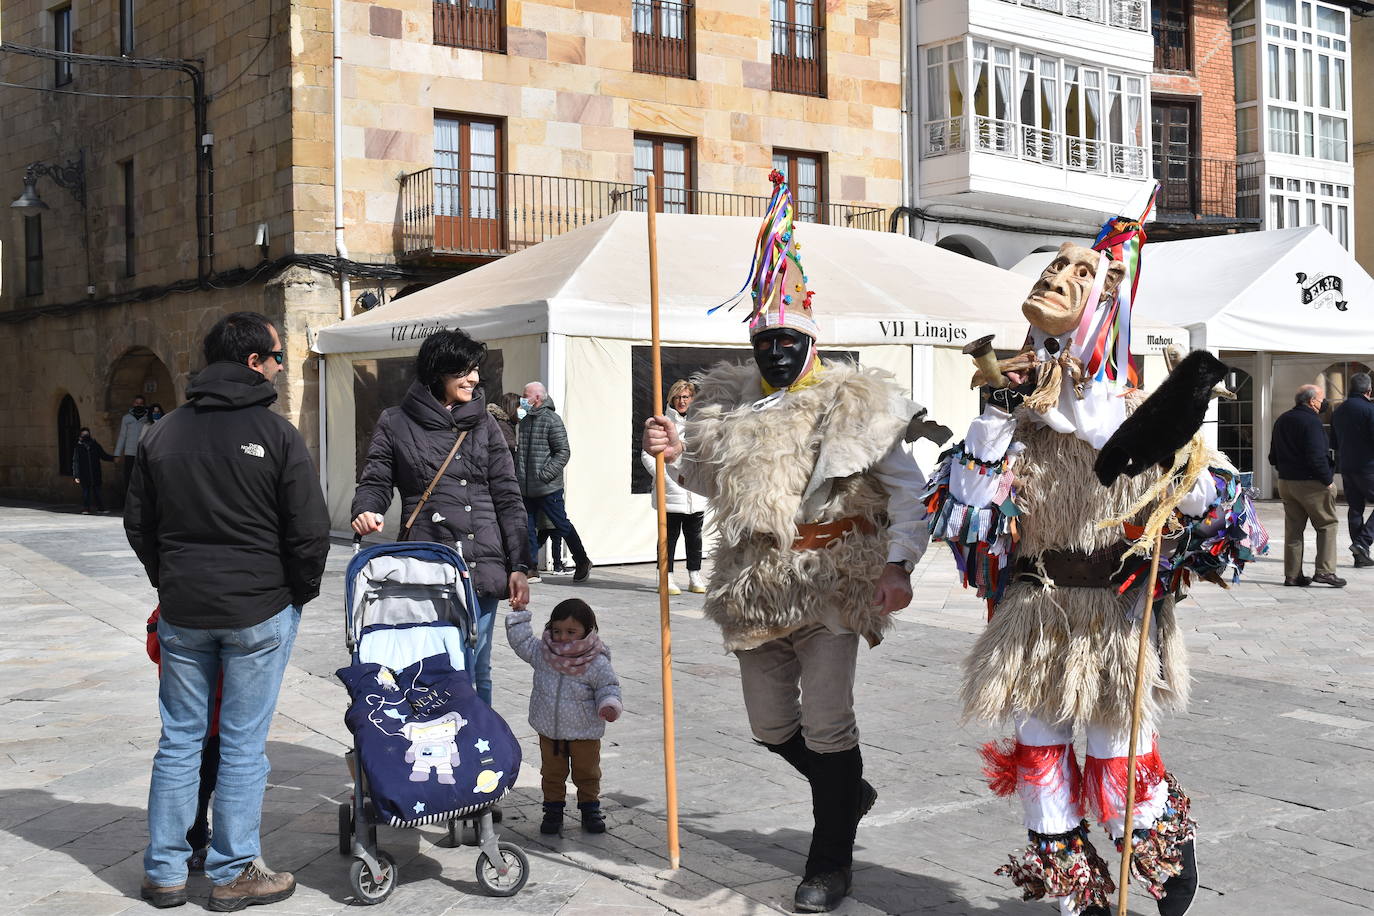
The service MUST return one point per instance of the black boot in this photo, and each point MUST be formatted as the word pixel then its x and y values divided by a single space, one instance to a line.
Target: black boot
pixel 553 818
pixel 1180 890
pixel 794 751
pixel 837 803
pixel 593 821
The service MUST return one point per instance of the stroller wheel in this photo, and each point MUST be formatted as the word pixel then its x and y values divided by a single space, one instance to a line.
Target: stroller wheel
pixel 367 889
pixel 345 828
pixel 515 865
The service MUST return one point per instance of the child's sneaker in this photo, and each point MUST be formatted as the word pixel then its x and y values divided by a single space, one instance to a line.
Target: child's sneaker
pixel 593 821
pixel 553 818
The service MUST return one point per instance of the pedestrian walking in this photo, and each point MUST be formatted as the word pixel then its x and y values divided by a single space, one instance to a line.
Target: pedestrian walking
pixel 1352 436
pixel 575 693
pixel 131 427
pixel 1306 485
pixel 543 454
pixel 475 502
pixel 225 513
pixel 686 510
pixel 86 471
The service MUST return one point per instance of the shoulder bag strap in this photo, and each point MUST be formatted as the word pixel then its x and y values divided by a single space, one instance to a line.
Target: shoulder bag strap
pixel 414 513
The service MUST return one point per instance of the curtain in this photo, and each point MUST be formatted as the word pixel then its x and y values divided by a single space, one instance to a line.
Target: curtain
pixel 1002 110
pixel 979 81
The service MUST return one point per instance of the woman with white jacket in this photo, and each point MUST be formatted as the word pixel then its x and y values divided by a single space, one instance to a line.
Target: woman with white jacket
pixel 686 510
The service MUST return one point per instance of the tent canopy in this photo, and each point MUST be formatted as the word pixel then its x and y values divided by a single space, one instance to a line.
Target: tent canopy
pixel 1294 290
pixel 871 288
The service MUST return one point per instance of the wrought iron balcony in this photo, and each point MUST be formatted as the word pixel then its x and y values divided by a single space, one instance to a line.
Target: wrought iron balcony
pixel 1193 188
pixel 1173 47
pixel 476 24
pixel 663 37
pixel 1032 144
pixel 798 56
pixel 470 213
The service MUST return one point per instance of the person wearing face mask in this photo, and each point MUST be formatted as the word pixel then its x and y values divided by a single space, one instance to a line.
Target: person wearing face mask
pixel 815 500
pixel 476 504
pixel 155 413
pixel 1300 452
pixel 86 458
pixel 131 427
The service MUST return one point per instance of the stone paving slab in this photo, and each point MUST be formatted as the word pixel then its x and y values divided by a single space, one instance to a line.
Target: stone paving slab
pixel 1276 752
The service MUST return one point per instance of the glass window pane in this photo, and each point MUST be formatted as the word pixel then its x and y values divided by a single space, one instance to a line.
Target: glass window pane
pixel 1323 81
pixel 1306 77
pixel 1311 219
pixel 1275 212
pixel 1283 10
pixel 1343 227
pixel 1243 66
pixel 1338 84
pixel 1326 216
pixel 1331 20
pixel 1290 74
pixel 1275 84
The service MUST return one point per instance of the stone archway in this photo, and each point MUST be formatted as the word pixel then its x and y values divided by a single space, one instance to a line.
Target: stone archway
pixel 968 246
pixel 68 430
pixel 138 372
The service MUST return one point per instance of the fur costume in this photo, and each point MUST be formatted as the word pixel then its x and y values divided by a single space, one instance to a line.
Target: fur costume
pixel 762 462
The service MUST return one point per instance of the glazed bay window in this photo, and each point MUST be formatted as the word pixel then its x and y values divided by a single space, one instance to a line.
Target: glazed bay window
pixel 1015 103
pixel 1305 62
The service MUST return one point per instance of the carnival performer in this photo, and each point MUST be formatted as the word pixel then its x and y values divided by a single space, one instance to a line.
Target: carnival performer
pixel 1018 502
pixel 816 502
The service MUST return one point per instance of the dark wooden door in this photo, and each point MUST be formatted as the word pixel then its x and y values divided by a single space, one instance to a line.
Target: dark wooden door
pixel 469 200
pixel 1175 162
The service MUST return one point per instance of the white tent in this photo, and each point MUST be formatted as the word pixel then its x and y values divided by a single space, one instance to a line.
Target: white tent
pixel 571 312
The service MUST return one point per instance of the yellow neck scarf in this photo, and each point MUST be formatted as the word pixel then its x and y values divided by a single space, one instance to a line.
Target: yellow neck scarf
pixel 809 377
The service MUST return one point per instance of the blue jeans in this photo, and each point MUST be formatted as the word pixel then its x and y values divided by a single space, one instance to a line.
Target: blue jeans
pixel 252 661
pixel 552 506
pixel 481 674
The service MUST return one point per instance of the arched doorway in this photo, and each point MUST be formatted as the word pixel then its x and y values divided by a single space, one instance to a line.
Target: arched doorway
pixel 138 372
pixel 68 429
pixel 968 246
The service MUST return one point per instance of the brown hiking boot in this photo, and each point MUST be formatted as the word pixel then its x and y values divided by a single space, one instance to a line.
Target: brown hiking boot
pixel 162 897
pixel 256 884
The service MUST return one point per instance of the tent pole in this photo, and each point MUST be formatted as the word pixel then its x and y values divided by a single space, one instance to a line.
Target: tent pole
pixel 660 488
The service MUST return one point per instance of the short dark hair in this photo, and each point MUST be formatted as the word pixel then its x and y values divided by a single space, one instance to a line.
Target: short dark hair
pixel 447 353
pixel 510 403
pixel 574 608
pixel 237 336
pixel 1360 383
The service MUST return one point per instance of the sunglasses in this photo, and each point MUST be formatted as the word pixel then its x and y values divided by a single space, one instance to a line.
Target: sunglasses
pixel 278 355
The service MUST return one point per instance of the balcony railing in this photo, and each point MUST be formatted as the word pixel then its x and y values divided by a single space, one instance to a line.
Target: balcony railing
pixel 1172 46
pixel 479 213
pixel 1032 144
pixel 476 24
pixel 663 37
pixel 471 212
pixel 1192 188
pixel 1123 14
pixel 798 52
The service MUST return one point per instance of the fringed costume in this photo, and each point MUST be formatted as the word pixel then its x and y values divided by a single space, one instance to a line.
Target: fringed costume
pixel 1020 505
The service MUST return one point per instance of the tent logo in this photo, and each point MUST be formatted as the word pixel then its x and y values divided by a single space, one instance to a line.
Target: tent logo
pixel 1324 290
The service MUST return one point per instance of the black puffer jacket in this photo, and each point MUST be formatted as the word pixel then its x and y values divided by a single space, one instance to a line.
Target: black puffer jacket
pixel 224 508
pixel 477 504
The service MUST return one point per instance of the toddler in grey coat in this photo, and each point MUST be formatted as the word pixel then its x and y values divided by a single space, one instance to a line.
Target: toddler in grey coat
pixel 575 694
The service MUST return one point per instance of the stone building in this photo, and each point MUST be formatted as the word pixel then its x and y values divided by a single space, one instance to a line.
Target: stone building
pixel 470 129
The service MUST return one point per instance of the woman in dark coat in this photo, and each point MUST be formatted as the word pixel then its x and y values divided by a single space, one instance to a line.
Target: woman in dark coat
pixel 507 413
pixel 86 458
pixel 477 503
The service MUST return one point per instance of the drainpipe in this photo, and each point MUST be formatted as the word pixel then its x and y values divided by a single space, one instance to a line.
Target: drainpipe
pixel 340 247
pixel 911 188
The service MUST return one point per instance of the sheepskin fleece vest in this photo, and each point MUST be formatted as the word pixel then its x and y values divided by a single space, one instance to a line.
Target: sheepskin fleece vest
pixel 1068 654
pixel 761 462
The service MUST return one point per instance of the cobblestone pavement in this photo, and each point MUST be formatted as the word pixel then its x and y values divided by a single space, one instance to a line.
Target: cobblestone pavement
pixel 1276 752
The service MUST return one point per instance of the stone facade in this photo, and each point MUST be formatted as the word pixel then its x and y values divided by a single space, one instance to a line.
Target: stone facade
pixel 564 90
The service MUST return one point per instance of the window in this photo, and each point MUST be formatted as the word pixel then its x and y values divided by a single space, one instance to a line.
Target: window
pixel 1247 130
pixel 1175 164
pixel 1173 37
pixel 476 24
pixel 663 34
pixel 33 255
pixel 1281 10
pixel 798 47
pixel 669 160
pixel 126 27
pixel 1331 20
pixel 469 196
pixel 806 175
pixel 1331 138
pixel 129 232
pixel 1343 226
pixel 1283 130
pixel 1236 424
pixel 62 41
pixel 1243 68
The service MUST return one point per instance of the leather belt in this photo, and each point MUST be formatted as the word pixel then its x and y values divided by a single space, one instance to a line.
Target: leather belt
pixel 823 534
pixel 1072 568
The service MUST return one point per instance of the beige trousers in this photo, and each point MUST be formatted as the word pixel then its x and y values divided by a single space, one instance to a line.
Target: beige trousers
pixel 582 757
pixel 804 680
pixel 1308 501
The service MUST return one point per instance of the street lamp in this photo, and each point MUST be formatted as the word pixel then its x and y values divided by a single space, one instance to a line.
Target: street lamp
pixel 70 175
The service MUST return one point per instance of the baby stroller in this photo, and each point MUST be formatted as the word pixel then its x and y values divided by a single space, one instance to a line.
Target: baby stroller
pixel 411 606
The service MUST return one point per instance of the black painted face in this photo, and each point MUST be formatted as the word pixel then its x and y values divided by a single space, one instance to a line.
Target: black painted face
pixel 781 354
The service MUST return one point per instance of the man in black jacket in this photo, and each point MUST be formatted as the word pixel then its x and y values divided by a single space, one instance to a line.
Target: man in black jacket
pixel 226 514
pixel 1298 450
pixel 1352 436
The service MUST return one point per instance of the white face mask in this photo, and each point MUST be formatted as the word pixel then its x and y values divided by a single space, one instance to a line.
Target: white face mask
pixel 521 413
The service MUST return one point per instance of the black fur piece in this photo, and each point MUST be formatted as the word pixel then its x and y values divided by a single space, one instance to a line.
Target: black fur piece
pixel 1165 422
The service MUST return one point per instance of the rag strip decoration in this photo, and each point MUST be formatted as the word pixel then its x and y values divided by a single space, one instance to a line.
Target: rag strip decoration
pixel 1061 865
pixel 1156 853
pixel 983 539
pixel 1103 340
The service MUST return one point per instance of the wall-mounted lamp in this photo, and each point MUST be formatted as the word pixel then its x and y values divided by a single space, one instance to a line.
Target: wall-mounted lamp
pixel 70 175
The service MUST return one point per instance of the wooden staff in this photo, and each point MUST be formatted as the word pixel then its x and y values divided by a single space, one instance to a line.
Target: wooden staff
pixel 661 501
pixel 1137 701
